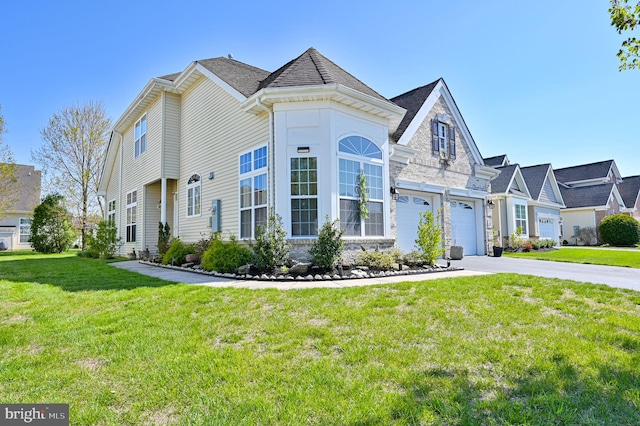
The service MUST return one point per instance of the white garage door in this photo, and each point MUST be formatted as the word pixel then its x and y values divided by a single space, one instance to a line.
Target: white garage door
pixel 547 229
pixel 408 210
pixel 463 226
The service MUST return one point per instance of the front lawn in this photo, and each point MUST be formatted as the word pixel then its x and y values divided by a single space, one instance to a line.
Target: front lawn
pixel 501 349
pixel 629 258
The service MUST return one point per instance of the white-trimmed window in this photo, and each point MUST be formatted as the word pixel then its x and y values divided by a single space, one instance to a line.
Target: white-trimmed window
pixel 141 136
pixel 111 212
pixel 521 217
pixel 25 230
pixel 304 196
pixel 194 188
pixel 132 212
pixel 253 191
pixel 444 136
pixel 360 155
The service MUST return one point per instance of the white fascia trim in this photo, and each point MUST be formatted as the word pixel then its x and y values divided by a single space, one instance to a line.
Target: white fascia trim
pixel 616 172
pixel 554 184
pixel 586 182
pixel 419 186
pixel 589 208
pixel 616 194
pixel 154 85
pixel 106 167
pixel 469 193
pixel 545 204
pixel 223 84
pixel 401 154
pixel 441 89
pixel 486 172
pixel 518 172
pixel 275 94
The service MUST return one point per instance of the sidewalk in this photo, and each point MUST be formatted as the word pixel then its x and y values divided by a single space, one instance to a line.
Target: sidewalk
pixel 187 277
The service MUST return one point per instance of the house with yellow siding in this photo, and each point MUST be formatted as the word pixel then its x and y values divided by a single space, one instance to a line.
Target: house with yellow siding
pixel 217 146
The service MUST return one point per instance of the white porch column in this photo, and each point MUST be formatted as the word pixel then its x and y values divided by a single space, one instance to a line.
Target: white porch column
pixel 163 200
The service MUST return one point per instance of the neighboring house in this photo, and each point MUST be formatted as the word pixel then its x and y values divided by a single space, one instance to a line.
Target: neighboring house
pixel 525 197
pixel 590 192
pixel 216 146
pixel 630 192
pixel 510 197
pixel 15 223
pixel 545 204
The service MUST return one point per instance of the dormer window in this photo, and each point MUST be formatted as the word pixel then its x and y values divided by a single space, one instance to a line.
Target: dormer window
pixel 444 136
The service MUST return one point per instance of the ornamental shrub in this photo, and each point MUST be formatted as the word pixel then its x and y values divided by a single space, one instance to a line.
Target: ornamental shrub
pixel 225 256
pixel 328 247
pixel 105 243
pixel 164 236
pixel 51 228
pixel 271 248
pixel 429 240
pixel 375 260
pixel 619 230
pixel 177 252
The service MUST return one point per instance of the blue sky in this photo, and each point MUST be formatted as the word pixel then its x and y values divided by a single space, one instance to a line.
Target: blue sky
pixel 536 80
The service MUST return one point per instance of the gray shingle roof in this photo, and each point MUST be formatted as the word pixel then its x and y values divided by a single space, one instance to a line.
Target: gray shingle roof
pixel 312 68
pixel 500 185
pixel 309 69
pixel 496 161
pixel 583 172
pixel 412 101
pixel 586 196
pixel 534 177
pixel 242 77
pixel 629 189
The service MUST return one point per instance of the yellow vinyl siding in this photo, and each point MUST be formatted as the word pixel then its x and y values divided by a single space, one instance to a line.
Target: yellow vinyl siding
pixel 172 136
pixel 214 131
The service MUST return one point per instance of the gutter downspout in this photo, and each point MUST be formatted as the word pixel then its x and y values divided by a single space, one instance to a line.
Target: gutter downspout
pixel 119 202
pixel 272 144
pixel 163 179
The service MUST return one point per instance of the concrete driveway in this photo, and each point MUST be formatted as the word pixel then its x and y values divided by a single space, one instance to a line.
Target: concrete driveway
pixel 612 276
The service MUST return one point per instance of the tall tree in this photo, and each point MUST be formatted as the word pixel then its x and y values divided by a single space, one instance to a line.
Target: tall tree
pixel 8 178
pixel 73 151
pixel 51 229
pixel 626 17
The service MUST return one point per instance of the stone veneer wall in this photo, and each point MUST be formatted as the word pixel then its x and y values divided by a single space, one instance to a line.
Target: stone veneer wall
pixel 427 167
pixel 352 246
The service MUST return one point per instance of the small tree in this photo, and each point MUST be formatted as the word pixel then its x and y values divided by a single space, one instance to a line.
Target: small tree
pixel 271 248
pixel 105 243
pixel 429 240
pixel 51 229
pixel 619 230
pixel 164 235
pixel 328 247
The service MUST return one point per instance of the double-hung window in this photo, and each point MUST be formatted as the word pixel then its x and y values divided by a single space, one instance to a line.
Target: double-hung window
pixel 521 217
pixel 25 230
pixel 194 187
pixel 358 155
pixel 132 211
pixel 253 191
pixel 304 196
pixel 140 131
pixel 111 212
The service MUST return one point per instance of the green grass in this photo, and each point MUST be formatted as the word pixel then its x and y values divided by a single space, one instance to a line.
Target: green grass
pixel 504 349
pixel 612 257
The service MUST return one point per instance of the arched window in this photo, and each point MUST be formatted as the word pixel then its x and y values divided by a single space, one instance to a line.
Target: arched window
pixel 194 188
pixel 359 155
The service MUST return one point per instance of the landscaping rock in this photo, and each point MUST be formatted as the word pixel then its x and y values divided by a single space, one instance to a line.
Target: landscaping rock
pixel 300 268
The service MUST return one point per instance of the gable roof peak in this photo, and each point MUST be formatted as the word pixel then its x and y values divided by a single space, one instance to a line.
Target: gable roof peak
pixel 312 68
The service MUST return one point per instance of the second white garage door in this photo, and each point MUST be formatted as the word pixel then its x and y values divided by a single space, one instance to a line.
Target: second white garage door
pixel 463 226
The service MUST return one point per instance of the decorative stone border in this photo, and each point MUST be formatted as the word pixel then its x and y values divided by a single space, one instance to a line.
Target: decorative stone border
pixel 353 273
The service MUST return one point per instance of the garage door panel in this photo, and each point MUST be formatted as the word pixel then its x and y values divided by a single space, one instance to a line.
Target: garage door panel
pixel 408 209
pixel 547 229
pixel 463 226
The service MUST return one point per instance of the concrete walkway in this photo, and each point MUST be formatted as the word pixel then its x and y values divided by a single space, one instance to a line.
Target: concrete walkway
pixel 612 276
pixel 211 281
